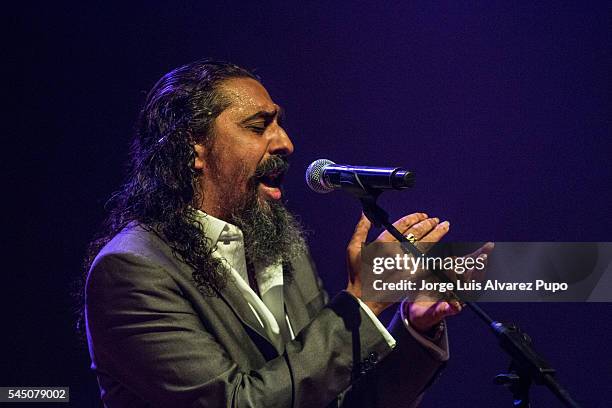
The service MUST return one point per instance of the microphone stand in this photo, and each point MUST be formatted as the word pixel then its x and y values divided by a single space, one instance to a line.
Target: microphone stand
pixel 526 365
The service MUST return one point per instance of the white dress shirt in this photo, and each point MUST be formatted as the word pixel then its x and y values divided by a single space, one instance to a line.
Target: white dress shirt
pixel 269 308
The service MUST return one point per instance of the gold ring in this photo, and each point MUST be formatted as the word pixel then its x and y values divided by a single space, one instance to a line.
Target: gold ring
pixel 410 237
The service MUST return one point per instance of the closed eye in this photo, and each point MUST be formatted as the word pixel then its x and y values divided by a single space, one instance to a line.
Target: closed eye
pixel 257 128
pixel 259 121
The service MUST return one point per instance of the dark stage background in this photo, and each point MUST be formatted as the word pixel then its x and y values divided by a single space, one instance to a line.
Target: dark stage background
pixel 501 108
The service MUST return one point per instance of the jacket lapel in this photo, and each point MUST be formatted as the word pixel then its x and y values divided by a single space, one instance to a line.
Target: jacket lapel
pixel 234 298
pixel 295 306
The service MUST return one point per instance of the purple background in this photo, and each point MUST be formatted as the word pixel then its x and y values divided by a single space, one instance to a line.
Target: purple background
pixel 501 108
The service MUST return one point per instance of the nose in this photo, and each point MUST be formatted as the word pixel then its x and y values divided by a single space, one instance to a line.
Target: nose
pixel 281 143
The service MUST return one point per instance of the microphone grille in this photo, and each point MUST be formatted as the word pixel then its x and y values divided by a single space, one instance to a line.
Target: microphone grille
pixel 314 176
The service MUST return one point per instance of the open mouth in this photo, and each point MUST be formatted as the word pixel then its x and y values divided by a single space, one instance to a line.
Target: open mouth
pixel 269 184
pixel 269 176
pixel 273 180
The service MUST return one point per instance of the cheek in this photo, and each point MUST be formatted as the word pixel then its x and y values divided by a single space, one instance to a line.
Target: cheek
pixel 234 161
pixel 237 170
pixel 250 156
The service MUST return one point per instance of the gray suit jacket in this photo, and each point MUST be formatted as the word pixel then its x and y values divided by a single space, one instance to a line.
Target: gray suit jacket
pixel 155 340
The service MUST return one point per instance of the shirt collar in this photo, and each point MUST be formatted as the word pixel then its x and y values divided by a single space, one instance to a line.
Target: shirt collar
pixel 216 229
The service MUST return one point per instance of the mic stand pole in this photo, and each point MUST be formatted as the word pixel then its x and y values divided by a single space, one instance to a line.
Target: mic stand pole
pixel 526 366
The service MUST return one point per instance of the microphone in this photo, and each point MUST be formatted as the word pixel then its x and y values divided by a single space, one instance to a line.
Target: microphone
pixel 324 176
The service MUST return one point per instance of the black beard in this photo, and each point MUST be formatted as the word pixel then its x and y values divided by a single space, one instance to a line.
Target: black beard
pixel 271 234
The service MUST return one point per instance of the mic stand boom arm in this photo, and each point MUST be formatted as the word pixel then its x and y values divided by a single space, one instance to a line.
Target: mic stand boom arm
pixel 526 366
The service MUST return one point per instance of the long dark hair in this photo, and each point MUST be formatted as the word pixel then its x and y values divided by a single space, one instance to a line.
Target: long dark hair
pixel 161 186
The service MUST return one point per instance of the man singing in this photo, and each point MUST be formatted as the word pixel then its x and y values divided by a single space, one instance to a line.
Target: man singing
pixel 201 291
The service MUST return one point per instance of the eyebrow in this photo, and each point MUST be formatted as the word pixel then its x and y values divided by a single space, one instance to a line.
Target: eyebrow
pixel 263 114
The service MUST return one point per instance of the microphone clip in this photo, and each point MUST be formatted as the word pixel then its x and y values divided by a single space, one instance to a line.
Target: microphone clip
pixel 367 196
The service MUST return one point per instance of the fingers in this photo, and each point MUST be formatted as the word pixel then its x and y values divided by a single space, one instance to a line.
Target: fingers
pixel 421 229
pixel 440 311
pixel 453 308
pixel 427 231
pixel 425 315
pixel 483 253
pixel 353 255
pixel 434 235
pixel 486 249
pixel 402 225
pixel 361 232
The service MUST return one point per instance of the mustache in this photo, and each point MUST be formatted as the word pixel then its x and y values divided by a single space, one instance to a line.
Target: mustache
pixel 275 165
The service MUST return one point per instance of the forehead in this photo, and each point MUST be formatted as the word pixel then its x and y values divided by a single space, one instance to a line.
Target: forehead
pixel 247 96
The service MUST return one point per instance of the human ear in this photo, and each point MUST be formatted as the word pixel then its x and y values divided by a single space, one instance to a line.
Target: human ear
pixel 200 154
